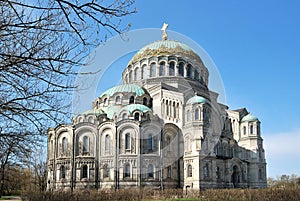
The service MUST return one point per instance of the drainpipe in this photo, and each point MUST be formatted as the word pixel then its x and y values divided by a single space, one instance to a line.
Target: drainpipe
pixel 116 160
pixel 73 159
pixel 161 159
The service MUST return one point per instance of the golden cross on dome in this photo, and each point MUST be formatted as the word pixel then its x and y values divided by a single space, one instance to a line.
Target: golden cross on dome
pixel 164 28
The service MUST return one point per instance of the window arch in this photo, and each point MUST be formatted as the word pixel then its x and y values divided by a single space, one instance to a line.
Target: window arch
pixel 244 130
pixel 152 70
pixel 180 69
pixel 162 69
pixel 130 76
pixel 189 171
pixel 197 114
pixel 118 99
pixel 137 116
pixel 127 141
pixel 145 73
pixel 107 144
pixel 218 173
pixel 105 101
pixel 131 100
pixel 145 100
pixel 64 145
pixel 62 172
pixel 189 71
pixel 188 115
pixel 125 116
pixel 167 108
pixel 204 114
pixel 172 68
pixel 169 171
pixel 86 142
pixel 126 170
pixel 105 171
pixel 206 171
pixel 137 74
pixel 84 172
pixel 251 129
pixel 196 75
pixel 150 171
pixel 174 110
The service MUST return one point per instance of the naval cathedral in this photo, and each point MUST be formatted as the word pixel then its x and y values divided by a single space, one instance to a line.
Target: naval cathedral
pixel 162 128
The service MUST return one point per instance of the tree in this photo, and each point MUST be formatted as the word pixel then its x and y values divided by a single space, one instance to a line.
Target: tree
pixel 42 44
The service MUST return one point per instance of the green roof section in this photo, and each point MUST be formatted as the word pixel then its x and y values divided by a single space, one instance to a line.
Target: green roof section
pixel 130 88
pixel 133 107
pixel 196 99
pixel 170 44
pixel 249 117
pixel 112 110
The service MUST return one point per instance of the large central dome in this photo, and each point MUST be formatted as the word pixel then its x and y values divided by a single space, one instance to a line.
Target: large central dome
pixel 165 58
pixel 166 48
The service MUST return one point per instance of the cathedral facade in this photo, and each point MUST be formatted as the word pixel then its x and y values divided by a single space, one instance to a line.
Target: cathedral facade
pixel 162 128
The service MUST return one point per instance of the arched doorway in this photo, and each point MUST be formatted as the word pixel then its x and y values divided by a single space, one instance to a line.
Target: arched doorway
pixel 235 178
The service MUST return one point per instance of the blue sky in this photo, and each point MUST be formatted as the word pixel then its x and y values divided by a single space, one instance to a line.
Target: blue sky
pixel 255 46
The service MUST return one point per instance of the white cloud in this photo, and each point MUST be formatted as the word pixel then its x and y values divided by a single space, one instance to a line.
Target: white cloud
pixel 282 153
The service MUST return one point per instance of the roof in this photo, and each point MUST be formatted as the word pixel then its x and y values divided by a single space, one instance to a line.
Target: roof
pixel 196 99
pixel 249 117
pixel 133 107
pixel 165 47
pixel 131 88
pixel 94 111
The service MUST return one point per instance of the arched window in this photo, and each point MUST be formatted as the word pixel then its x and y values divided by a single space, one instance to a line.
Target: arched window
pixel 197 115
pixel 189 171
pixel 174 110
pixel 137 74
pixel 86 147
pixel 130 76
pixel 105 101
pixel 62 172
pixel 137 116
pixel 84 171
pixel 131 100
pixel 189 71
pixel 107 144
pixel 118 99
pixel 145 73
pixel 260 174
pixel 162 69
pixel 188 115
pixel 169 171
pixel 64 145
pixel 196 75
pixel 167 108
pixel 105 171
pixel 126 170
pixel 145 100
pixel 150 141
pixel 153 70
pixel 180 69
pixel 244 130
pixel 172 68
pixel 206 171
pixel 125 116
pixel 251 129
pixel 127 141
pixel 150 171
pixel 204 114
pixel 218 173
